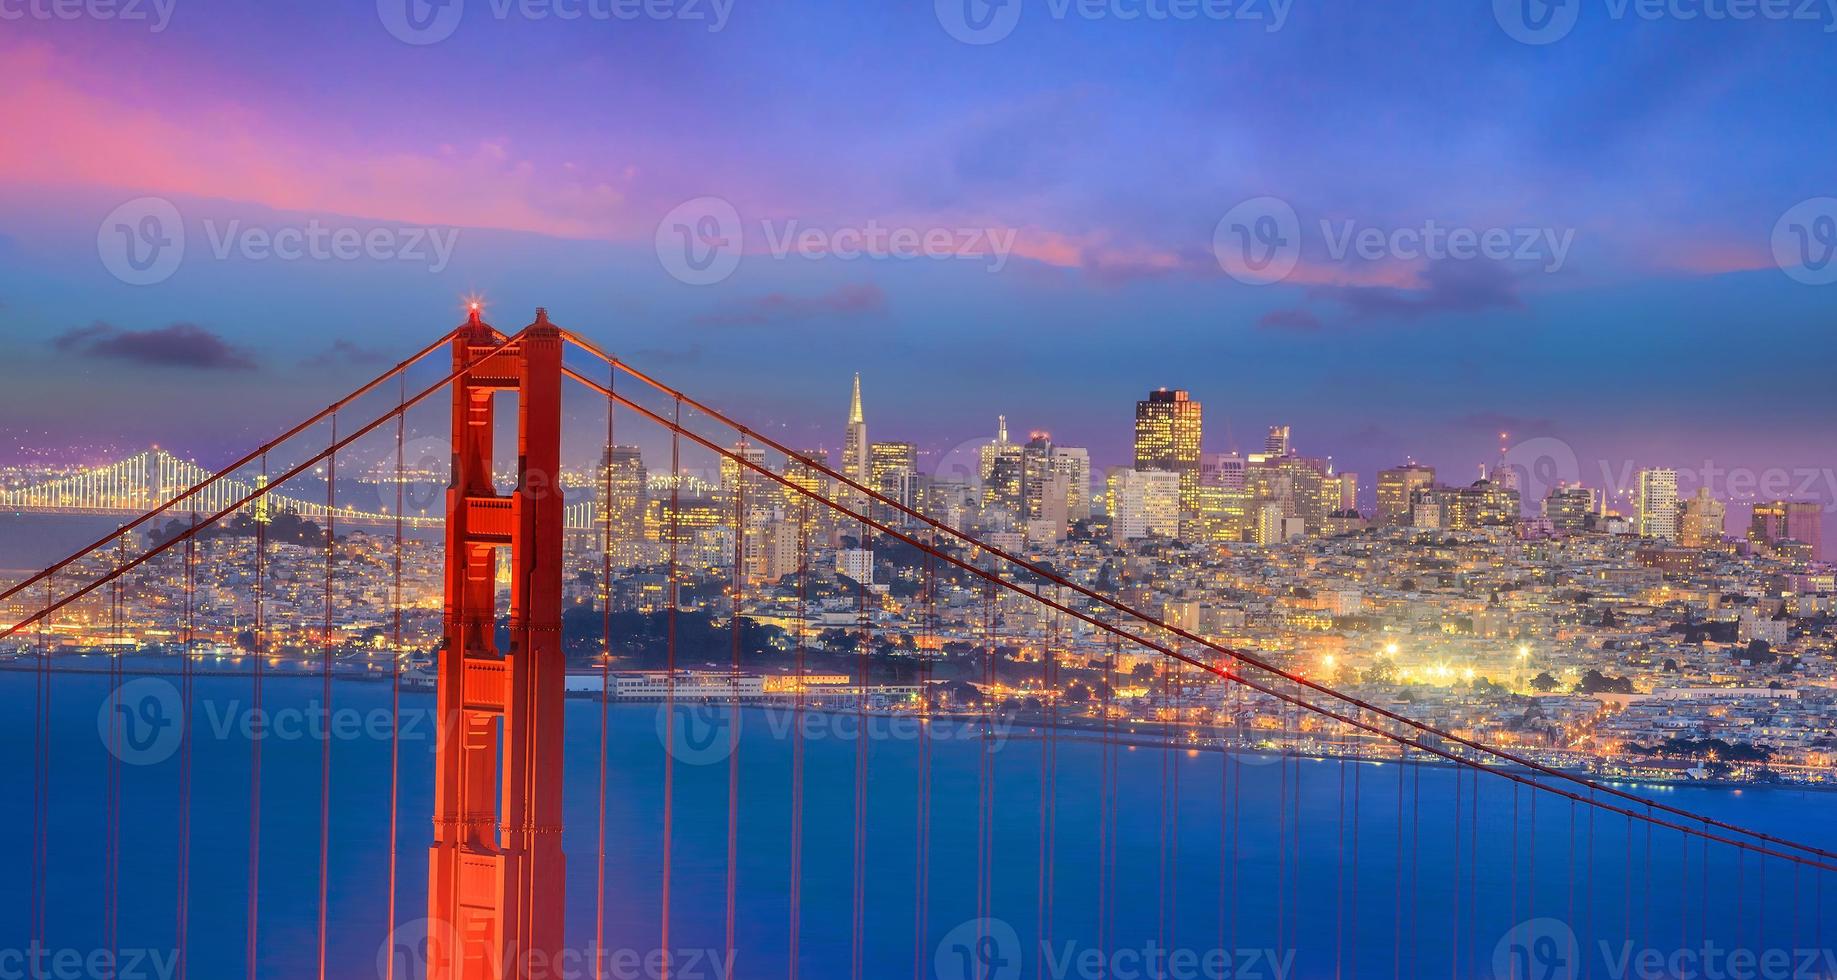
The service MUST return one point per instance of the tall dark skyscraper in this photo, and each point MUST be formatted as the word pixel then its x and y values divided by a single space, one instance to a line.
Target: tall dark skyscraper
pixel 1167 436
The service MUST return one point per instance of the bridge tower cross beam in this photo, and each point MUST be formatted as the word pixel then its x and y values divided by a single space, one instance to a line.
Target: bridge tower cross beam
pixel 496 880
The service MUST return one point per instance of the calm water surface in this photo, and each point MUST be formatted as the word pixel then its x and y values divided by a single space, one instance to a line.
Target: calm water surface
pixel 1280 876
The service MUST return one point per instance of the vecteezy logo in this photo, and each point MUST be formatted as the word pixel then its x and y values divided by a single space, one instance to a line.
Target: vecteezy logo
pixel 1259 241
pixel 979 21
pixel 699 242
pixel 417 950
pixel 1805 241
pixel 980 949
pixel 421 21
pixel 962 463
pixel 142 721
pixel 142 242
pixel 426 471
pixel 1541 465
pixel 1537 22
pixel 697 733
pixel 1538 949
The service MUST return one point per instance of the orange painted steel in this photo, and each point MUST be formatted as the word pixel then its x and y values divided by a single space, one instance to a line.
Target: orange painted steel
pixel 496 875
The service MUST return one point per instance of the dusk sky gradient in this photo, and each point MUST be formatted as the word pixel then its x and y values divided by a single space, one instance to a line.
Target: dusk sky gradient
pixel 1110 151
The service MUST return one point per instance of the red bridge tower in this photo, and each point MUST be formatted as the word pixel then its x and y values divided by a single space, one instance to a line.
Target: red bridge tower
pixel 495 872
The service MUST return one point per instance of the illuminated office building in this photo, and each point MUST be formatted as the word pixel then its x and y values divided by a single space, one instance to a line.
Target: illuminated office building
pixel 1656 507
pixel 1277 444
pixel 1074 465
pixel 1779 521
pixel 1703 521
pixel 1222 470
pixel 893 471
pixel 1569 507
pixel 1143 502
pixel 1167 433
pixel 622 489
pixel 1397 490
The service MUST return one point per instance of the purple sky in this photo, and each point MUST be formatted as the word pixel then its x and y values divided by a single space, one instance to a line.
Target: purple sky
pixel 532 160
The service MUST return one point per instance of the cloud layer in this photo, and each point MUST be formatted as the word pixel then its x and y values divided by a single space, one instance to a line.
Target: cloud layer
pixel 180 345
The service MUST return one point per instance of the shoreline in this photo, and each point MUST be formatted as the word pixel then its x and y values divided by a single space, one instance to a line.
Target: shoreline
pixel 1012 727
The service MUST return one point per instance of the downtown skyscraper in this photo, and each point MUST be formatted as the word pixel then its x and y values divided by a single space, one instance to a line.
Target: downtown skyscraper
pixel 857 456
pixel 1656 504
pixel 1168 427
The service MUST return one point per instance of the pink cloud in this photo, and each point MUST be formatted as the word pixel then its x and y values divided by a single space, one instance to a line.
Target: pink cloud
pixel 227 151
pixel 1714 258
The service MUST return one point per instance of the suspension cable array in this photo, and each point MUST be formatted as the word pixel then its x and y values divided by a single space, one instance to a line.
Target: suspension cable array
pixel 1020 625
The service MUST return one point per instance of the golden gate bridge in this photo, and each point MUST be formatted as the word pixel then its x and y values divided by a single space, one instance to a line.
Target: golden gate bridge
pixel 497 878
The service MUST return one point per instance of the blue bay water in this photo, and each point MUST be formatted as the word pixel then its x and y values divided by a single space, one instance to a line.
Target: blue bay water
pixel 1279 842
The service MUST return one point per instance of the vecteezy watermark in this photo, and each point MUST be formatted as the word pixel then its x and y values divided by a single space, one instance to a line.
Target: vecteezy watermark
pixel 1543 464
pixel 1546 949
pixel 418 950
pixel 36 962
pixel 990 949
pixel 1539 22
pixel 156 14
pixel 703 733
pixel 1796 483
pixel 319 242
pixel 701 242
pixel 145 720
pixel 423 22
pixel 425 947
pixel 980 949
pixel 427 465
pixel 1538 949
pixel 143 241
pixel 1709 961
pixel 1805 241
pixel 989 21
pixel 1260 242
pixel 142 721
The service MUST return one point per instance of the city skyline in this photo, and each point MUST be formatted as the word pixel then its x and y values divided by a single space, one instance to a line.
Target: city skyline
pixel 1635 349
pixel 1547 465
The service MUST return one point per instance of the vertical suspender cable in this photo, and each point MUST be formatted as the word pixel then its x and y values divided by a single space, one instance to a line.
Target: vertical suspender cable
pixel 258 730
pixel 741 478
pixel 1415 906
pixel 921 872
pixel 1339 875
pixel 858 931
pixel 1226 751
pixel 1358 775
pixel 1514 870
pixel 183 927
pixel 325 669
pixel 111 907
pixel 669 762
pixel 1403 753
pixel 1282 841
pixel 41 783
pixel 1049 787
pixel 1454 933
pixel 797 738
pixel 605 515
pixel 985 816
pixel 395 668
